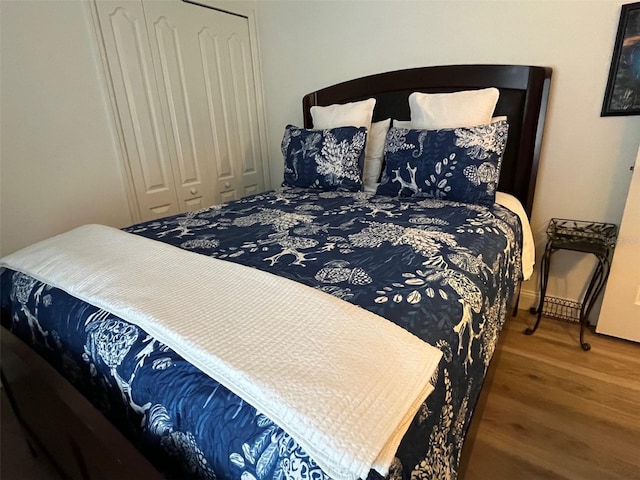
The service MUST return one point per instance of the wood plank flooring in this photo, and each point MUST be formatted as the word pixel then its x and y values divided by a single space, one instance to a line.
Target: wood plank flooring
pixel 557 412
pixel 553 411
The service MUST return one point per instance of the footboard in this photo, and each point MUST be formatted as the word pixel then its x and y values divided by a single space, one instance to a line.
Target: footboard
pixel 63 425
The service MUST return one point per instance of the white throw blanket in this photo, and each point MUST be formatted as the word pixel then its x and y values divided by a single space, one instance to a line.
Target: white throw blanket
pixel 345 383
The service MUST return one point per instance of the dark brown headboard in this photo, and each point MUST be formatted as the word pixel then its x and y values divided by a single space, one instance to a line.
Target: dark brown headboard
pixel 524 91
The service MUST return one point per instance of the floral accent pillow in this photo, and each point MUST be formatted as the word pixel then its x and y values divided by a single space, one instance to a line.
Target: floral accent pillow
pixel 459 164
pixel 324 159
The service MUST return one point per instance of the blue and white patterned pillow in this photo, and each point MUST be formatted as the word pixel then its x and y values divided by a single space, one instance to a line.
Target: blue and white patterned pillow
pixel 324 159
pixel 459 164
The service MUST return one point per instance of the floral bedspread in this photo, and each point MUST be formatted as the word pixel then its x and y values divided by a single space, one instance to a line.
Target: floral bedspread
pixel 444 271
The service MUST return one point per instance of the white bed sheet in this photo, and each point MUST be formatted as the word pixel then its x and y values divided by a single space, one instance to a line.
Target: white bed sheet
pixel 528 245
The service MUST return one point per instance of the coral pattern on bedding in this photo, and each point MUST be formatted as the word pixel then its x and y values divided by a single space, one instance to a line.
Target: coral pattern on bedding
pixel 442 270
pixel 459 164
pixel 330 159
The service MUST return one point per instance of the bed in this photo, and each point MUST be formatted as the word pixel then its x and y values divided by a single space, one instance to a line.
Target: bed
pixel 442 267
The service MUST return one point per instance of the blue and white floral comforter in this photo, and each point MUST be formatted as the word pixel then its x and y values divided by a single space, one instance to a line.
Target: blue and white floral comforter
pixel 444 271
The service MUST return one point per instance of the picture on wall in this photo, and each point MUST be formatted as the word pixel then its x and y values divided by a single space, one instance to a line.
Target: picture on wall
pixel 622 96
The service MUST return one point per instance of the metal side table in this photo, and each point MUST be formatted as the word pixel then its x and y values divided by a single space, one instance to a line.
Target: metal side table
pixel 595 238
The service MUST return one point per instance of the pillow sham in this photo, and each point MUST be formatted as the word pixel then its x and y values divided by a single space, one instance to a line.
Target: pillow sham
pixel 353 114
pixel 467 108
pixel 374 154
pixel 461 164
pixel 323 159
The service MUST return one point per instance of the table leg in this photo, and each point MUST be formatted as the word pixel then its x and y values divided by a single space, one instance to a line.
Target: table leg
pixel 596 284
pixel 544 280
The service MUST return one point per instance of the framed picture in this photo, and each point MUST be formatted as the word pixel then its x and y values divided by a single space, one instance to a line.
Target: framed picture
pixel 622 96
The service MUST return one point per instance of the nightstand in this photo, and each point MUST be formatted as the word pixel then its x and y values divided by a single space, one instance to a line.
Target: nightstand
pixel 594 238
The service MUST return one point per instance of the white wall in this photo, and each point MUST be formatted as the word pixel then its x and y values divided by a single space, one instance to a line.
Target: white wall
pixel 59 165
pixel 584 171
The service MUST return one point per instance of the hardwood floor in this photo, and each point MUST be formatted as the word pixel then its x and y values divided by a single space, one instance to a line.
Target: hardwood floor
pixel 553 411
pixel 557 412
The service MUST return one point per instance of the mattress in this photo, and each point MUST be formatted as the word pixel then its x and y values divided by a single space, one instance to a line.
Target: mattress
pixel 443 271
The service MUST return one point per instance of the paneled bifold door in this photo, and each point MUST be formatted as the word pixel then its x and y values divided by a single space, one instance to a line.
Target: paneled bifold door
pixel 186 96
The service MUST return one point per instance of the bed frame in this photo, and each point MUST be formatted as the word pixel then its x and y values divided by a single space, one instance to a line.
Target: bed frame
pixel 75 436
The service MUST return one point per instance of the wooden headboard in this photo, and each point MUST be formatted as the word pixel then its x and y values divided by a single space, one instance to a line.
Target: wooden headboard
pixel 524 91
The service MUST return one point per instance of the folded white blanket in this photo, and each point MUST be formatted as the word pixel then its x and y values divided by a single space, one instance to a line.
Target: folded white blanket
pixel 342 381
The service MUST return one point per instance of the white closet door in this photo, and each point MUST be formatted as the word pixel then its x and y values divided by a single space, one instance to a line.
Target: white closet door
pixel 186 95
pixel 174 51
pixel 204 64
pixel 128 53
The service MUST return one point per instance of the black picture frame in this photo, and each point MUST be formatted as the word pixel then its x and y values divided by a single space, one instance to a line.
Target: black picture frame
pixel 622 96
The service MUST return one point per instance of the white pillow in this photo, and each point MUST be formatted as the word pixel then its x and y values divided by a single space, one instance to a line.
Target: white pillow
pixel 407 123
pixel 467 108
pixel 374 153
pixel 354 114
pixel 402 124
